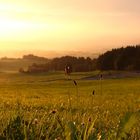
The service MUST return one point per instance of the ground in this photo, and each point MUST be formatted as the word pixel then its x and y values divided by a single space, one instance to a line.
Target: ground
pixel 54 105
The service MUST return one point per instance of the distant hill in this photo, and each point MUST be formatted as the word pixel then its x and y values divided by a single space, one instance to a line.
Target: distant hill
pixel 14 64
pixel 116 59
pixel 120 59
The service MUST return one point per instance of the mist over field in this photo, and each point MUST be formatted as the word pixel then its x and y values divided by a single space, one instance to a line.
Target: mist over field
pixel 69 70
pixel 48 54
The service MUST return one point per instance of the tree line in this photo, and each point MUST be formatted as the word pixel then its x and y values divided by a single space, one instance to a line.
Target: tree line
pixel 77 64
pixel 116 59
pixel 120 59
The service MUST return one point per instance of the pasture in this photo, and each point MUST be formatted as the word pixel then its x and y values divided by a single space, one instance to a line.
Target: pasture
pixel 54 106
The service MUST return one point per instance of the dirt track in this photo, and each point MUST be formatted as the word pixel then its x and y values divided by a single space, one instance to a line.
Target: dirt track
pixel 114 75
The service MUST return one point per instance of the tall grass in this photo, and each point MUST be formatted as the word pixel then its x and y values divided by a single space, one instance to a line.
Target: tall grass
pixel 42 111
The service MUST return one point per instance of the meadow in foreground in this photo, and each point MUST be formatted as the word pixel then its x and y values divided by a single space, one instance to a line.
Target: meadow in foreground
pixel 49 107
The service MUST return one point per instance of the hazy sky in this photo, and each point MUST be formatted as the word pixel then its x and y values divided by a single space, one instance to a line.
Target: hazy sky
pixel 75 25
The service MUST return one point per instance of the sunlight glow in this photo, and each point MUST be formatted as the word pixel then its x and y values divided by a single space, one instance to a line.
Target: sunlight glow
pixel 68 24
pixel 20 30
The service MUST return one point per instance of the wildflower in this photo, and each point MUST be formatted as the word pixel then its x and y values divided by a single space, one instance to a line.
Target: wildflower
pixel 89 119
pixel 75 83
pixel 82 124
pixel 54 111
pixel 93 92
pixel 26 123
pixel 35 121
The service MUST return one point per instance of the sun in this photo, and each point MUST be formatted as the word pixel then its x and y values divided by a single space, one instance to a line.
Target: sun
pixel 10 26
pixel 17 29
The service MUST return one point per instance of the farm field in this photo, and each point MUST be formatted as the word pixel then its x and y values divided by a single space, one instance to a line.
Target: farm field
pixel 54 106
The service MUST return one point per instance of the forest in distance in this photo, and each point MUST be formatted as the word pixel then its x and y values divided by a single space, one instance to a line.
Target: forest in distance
pixel 117 59
pixel 127 58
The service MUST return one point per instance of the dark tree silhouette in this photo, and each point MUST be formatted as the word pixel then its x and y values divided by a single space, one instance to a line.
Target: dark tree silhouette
pixel 120 59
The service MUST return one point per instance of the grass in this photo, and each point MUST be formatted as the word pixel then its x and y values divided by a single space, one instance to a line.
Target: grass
pixel 46 107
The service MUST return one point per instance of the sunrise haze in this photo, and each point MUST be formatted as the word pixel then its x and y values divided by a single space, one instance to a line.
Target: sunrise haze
pixel 72 25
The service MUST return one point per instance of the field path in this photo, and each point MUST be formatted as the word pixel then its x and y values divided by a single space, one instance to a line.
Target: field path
pixel 114 75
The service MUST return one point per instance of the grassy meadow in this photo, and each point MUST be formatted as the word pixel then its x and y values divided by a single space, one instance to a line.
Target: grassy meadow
pixel 54 106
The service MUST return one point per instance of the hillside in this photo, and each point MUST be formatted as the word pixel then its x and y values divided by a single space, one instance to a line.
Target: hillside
pixel 120 59
pixel 12 64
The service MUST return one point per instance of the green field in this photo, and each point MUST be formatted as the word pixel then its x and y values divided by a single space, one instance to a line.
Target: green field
pixel 51 107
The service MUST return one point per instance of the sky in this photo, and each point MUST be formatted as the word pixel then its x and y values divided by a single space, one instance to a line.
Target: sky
pixel 68 25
